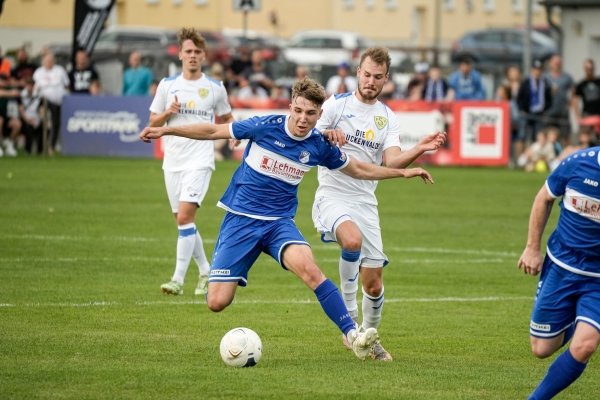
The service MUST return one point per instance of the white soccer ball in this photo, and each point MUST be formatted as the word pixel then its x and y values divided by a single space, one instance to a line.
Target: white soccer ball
pixel 241 347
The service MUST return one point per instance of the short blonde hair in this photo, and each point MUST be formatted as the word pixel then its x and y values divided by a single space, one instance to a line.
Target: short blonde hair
pixel 310 90
pixel 193 35
pixel 379 55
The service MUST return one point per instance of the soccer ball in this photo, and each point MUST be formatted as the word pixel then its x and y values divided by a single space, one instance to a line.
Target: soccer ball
pixel 241 347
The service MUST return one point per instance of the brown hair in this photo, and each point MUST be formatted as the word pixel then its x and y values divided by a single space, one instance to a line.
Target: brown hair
pixel 310 90
pixel 379 55
pixel 193 35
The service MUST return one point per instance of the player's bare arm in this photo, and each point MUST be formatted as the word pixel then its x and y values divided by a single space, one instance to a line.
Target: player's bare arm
pixel 531 260
pixel 227 119
pixel 162 118
pixel 395 158
pixel 195 131
pixel 360 170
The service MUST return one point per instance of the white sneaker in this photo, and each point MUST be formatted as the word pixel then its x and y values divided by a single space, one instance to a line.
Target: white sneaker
pixel 10 149
pixel 379 353
pixel 362 341
pixel 202 287
pixel 345 341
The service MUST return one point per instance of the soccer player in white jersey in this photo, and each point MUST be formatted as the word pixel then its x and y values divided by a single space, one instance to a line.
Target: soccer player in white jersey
pixel 261 201
pixel 345 209
pixel 188 98
pixel 567 300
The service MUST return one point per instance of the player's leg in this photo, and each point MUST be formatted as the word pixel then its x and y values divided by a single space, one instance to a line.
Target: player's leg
pixel 220 295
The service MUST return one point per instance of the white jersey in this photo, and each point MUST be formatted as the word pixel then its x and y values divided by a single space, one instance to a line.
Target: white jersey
pixel 369 129
pixel 200 101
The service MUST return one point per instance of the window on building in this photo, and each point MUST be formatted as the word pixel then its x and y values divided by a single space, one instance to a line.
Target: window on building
pixel 517 5
pixel 201 2
pixel 449 4
pixel 391 4
pixel 536 6
pixel 469 5
pixel 489 5
pixel 177 2
pixel 152 1
pixel 348 3
pixel 370 4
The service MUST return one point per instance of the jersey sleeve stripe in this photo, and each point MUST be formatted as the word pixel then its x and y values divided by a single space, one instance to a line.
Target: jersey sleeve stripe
pixel 550 191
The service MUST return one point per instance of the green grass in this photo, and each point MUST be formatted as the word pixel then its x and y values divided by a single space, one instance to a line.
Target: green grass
pixel 86 242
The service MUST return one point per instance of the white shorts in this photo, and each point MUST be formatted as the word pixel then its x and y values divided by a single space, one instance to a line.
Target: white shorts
pixel 187 186
pixel 329 213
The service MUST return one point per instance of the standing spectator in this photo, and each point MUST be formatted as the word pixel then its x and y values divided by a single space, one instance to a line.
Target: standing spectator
pixel 23 70
pixel 301 72
pixel 533 99
pixel 342 82
pixel 513 80
pixel 5 65
pixel 259 72
pixel 562 91
pixel 466 82
pixel 10 124
pixel 31 117
pixel 589 91
pixel 436 88
pixel 241 61
pixel 503 93
pixel 52 82
pixel 415 86
pixel 82 75
pixel 251 90
pixel 137 79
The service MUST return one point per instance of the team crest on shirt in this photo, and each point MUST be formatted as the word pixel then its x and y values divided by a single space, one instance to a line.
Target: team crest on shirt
pixel 304 156
pixel 203 93
pixel 380 122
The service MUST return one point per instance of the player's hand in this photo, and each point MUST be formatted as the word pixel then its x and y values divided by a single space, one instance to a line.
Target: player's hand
pixel 336 137
pixel 413 172
pixel 233 143
pixel 174 107
pixel 531 261
pixel 433 141
pixel 151 132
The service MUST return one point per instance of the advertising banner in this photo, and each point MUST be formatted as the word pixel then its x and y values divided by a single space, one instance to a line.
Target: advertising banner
pixel 105 125
pixel 90 16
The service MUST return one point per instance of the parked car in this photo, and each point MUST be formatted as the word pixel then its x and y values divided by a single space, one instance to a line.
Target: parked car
pixel 501 46
pixel 268 43
pixel 330 48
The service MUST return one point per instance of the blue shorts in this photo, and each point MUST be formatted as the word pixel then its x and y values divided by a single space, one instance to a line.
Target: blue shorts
pixel 242 239
pixel 563 298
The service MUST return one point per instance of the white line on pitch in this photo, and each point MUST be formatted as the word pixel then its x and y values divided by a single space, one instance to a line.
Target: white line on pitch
pixel 292 301
pixel 85 259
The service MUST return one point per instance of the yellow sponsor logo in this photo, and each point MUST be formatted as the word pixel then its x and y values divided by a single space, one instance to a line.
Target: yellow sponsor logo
pixel 381 122
pixel 191 104
pixel 369 135
pixel 203 93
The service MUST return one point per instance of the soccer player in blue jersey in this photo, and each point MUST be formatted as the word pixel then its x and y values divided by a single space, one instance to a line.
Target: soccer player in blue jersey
pixel 188 98
pixel 567 303
pixel 261 201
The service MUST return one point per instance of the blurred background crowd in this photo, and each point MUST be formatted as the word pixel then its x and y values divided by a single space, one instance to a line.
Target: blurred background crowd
pixel 554 110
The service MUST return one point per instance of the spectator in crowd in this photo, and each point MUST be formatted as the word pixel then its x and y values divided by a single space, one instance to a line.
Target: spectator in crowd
pixel 82 75
pixel 241 61
pixel 435 87
pixel 52 82
pixel 553 135
pixel 504 93
pixel 23 70
pixel 258 72
pixel 584 140
pixel 217 72
pixel 251 89
pixel 533 99
pixel 562 86
pixel 137 79
pixel 343 82
pixel 10 124
pixel 280 92
pixel 513 80
pixel 31 116
pixel 96 88
pixel 301 72
pixel 415 87
pixel 539 155
pixel 589 92
pixel 466 82
pixel 5 65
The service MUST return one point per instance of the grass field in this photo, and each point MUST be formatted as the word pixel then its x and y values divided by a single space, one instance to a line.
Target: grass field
pixel 86 242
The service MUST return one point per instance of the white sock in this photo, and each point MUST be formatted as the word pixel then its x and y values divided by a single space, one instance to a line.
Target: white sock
pixel 371 308
pixel 185 248
pixel 349 267
pixel 200 256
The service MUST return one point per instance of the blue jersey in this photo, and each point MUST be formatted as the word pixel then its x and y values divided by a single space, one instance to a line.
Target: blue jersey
pixel 265 185
pixel 575 243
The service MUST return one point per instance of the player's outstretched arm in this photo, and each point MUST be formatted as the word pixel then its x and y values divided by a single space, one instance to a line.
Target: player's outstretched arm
pixel 196 131
pixel 394 158
pixel 531 260
pixel 360 170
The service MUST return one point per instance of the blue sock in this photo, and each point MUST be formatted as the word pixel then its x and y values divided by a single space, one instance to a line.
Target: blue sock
pixel 568 334
pixel 562 372
pixel 333 305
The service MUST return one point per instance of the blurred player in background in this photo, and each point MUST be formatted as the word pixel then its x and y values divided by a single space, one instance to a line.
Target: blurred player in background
pixel 345 209
pixel 189 98
pixel 567 303
pixel 261 202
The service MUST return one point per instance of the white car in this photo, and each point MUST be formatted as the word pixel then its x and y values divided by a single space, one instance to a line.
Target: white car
pixel 328 47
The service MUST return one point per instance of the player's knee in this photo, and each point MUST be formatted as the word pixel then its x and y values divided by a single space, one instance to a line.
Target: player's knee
pixel 312 275
pixel 216 304
pixel 582 350
pixel 541 348
pixel 373 288
pixel 352 243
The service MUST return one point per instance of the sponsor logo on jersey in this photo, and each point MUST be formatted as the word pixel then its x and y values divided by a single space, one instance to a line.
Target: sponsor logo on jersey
pixel 175 91
pixel 190 108
pixel 278 143
pixel 539 327
pixel 362 138
pixel 281 168
pixel 369 135
pixel 581 204
pixel 590 182
pixel 380 122
pixel 220 272
pixel 343 156
pixel 350 116
pixel 203 93
pixel 304 156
